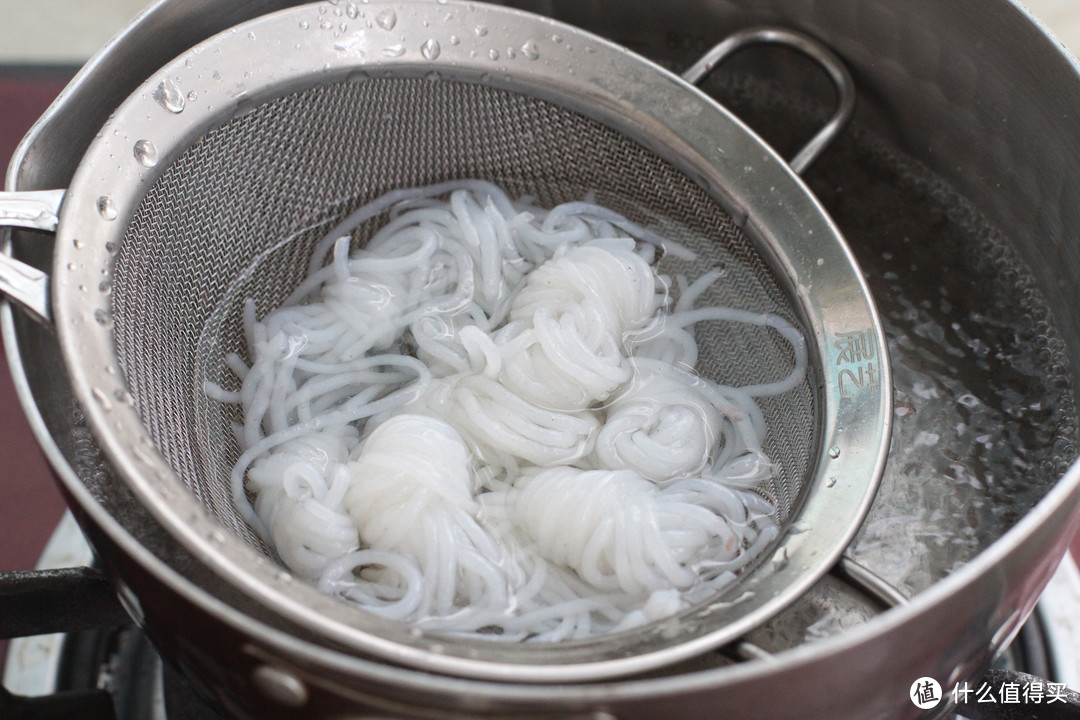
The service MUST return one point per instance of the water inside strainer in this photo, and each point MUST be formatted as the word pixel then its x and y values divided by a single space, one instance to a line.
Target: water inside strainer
pixel 256 194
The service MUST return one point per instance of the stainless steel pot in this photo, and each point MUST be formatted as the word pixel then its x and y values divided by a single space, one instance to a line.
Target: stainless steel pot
pixel 902 52
pixel 131 360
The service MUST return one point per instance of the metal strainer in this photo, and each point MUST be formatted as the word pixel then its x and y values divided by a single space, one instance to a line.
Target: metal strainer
pixel 213 182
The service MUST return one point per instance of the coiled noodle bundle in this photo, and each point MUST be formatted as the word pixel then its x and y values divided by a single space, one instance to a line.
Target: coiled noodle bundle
pixel 505 430
pixel 301 499
pixel 563 348
pixel 619 531
pixel 660 426
pixel 411 493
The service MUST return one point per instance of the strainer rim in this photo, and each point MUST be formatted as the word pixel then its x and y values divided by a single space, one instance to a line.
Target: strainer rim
pixel 610 87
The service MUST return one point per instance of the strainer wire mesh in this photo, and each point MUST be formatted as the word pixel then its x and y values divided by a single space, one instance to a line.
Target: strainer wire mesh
pixel 237 215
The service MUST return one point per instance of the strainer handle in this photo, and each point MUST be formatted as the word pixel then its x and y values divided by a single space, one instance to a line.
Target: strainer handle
pixel 816 51
pixel 22 283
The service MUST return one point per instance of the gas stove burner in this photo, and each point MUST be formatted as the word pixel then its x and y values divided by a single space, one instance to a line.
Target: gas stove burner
pixel 112 670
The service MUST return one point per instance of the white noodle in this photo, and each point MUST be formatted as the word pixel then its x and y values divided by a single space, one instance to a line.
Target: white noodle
pixel 611 527
pixel 661 426
pixel 411 493
pixel 305 516
pixel 503 429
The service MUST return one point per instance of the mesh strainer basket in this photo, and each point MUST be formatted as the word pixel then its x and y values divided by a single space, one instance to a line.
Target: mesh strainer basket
pixel 213 182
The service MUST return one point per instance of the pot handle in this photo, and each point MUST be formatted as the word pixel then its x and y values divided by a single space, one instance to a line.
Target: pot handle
pixel 26 285
pixel 808 46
